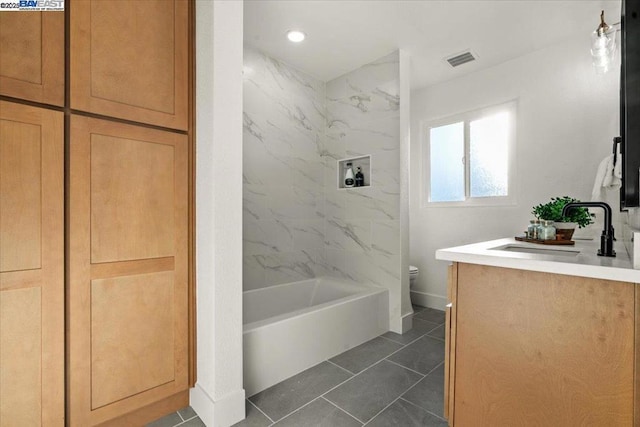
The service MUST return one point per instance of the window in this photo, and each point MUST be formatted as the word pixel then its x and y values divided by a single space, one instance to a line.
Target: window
pixel 470 158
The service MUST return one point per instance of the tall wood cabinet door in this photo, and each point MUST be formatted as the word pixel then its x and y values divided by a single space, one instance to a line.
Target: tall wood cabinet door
pixel 127 306
pixel 129 59
pixel 32 56
pixel 31 266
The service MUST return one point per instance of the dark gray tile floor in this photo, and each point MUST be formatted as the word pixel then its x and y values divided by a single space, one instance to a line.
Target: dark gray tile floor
pixel 392 380
pixel 185 417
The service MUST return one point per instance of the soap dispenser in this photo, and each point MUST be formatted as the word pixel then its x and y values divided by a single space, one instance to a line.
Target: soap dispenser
pixel 349 180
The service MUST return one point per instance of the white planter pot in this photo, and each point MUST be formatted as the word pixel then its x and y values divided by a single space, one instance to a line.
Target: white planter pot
pixel 565 229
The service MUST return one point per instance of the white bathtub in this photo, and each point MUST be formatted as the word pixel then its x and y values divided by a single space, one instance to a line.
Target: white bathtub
pixel 291 327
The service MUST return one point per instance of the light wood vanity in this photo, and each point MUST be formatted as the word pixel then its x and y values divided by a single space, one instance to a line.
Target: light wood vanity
pixel 526 346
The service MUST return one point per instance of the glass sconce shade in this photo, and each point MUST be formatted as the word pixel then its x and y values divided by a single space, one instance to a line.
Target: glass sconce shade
pixel 603 46
pixel 603 50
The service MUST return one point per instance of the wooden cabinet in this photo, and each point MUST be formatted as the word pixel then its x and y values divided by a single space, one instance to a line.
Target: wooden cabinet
pixel 529 348
pixel 128 205
pixel 32 56
pixel 130 60
pixel 31 266
pixel 128 268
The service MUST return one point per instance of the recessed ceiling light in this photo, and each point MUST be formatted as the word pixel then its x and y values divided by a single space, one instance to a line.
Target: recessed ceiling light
pixel 295 36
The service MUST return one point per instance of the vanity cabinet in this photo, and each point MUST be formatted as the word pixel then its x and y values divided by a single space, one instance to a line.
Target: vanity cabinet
pixel 532 348
pixel 31 266
pixel 32 56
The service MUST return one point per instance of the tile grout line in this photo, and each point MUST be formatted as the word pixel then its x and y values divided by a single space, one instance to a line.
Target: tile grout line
pixel 425 376
pixel 364 370
pixel 344 369
pixel 353 375
pixel 296 410
pixel 180 415
pixel 422 335
pixel 436 367
pixel 408 369
pixel 431 330
pixel 392 340
pixel 348 379
pixel 403 347
pixel 384 409
pixel 404 392
pixel 260 410
pixel 343 410
pixel 183 422
pixel 426 410
pixel 300 407
pixel 377 363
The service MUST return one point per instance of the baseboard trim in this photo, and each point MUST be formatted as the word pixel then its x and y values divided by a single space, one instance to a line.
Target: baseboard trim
pixel 223 412
pixel 407 322
pixel 428 300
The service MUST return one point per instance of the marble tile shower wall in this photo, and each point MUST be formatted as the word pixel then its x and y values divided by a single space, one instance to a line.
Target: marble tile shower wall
pixel 297 224
pixel 283 173
pixel 362 228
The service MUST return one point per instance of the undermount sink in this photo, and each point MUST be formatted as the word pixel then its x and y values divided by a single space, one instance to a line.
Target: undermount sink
pixel 539 251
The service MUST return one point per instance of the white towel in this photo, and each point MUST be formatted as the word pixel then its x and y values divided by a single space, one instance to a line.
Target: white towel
pixel 608 177
pixel 617 168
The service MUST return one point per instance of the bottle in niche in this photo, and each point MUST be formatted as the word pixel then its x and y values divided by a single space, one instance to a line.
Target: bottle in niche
pixel 349 180
pixel 359 177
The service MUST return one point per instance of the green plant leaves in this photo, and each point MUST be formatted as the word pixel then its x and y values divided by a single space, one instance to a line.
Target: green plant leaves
pixel 553 211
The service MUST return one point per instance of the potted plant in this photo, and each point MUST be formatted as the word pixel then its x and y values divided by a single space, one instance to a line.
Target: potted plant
pixel 565 225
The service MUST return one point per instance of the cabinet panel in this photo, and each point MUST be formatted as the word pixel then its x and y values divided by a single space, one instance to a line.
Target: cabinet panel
pixel 20 357
pixel 15 64
pixel 128 279
pixel 31 280
pixel 131 335
pixel 130 200
pixel 32 56
pixel 130 60
pixel 544 347
pixel 20 190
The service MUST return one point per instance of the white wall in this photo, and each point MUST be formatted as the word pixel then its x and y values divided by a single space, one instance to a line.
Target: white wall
pixel 405 159
pixel 218 396
pixel 566 119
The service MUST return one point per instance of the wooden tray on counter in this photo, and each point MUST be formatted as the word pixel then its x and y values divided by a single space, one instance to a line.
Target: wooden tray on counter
pixel 546 242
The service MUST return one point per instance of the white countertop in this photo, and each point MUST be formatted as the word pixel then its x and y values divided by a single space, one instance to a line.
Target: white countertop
pixel 586 263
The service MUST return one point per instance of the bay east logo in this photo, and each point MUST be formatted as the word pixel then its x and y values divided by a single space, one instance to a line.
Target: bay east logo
pixel 31 5
pixel 41 4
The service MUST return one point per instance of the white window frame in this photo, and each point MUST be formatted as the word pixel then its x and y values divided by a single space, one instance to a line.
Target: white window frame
pixel 466 118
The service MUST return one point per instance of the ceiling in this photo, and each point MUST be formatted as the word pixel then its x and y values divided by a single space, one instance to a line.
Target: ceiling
pixel 342 35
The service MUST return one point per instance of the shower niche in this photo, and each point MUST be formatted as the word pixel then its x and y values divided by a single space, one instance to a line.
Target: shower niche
pixel 362 162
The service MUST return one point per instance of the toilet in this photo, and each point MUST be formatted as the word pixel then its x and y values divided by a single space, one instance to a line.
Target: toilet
pixel 413 276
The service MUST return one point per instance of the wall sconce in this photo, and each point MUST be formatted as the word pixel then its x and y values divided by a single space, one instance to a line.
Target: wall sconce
pixel 603 46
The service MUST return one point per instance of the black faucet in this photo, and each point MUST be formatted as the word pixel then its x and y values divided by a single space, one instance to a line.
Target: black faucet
pixel 607 237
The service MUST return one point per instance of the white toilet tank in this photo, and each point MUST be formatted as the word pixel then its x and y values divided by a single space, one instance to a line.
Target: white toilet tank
pixel 413 275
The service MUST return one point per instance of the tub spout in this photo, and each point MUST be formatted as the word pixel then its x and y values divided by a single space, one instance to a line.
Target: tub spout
pixel 607 237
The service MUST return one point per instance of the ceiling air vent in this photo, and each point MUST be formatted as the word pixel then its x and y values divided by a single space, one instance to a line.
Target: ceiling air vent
pixel 460 59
